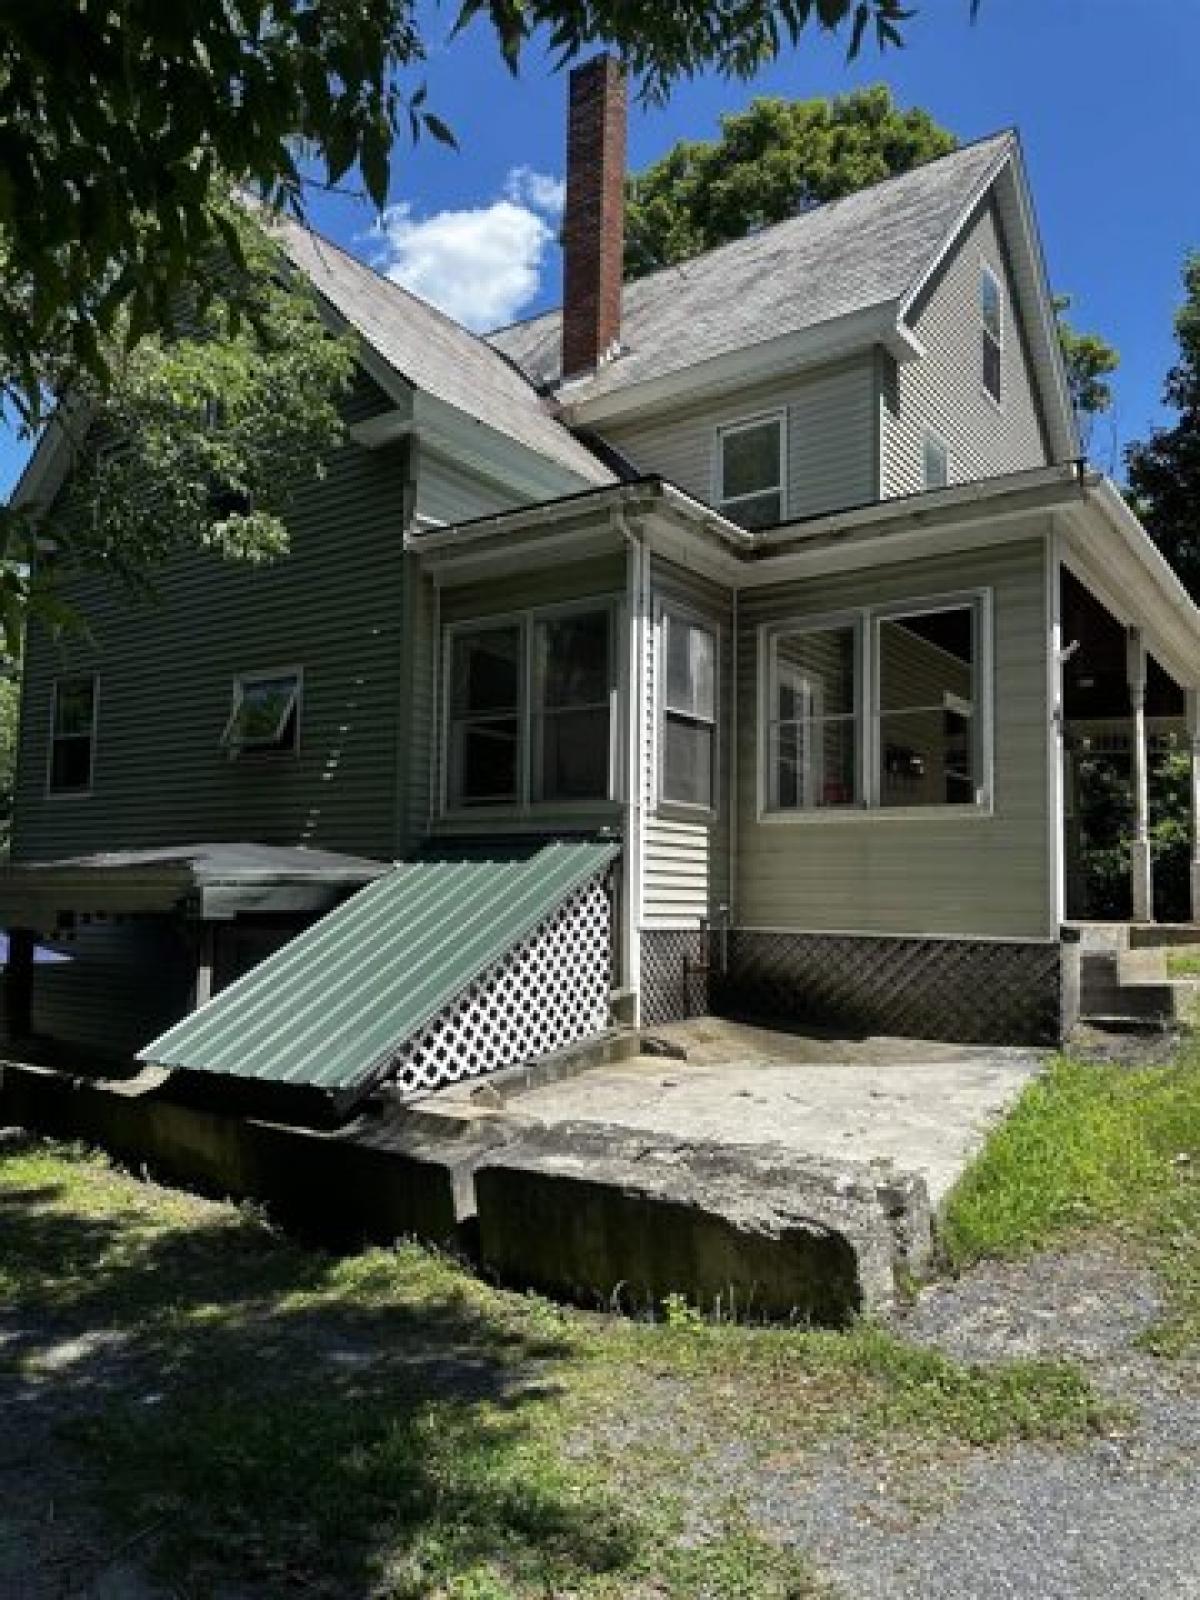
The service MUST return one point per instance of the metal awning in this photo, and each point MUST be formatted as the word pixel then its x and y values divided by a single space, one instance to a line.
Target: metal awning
pixel 202 880
pixel 331 1009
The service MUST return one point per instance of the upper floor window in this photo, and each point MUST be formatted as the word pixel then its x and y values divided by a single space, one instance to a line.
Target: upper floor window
pixel 750 470
pixel 529 709
pixel 72 735
pixel 266 712
pixel 689 713
pixel 991 318
pixel 937 462
pixel 881 709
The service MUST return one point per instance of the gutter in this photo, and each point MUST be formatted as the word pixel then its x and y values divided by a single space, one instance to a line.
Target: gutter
pixel 1109 500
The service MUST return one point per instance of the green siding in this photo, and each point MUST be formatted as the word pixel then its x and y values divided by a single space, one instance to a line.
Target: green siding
pixel 944 391
pixel 832 423
pixel 334 606
pixel 331 1008
pixel 977 875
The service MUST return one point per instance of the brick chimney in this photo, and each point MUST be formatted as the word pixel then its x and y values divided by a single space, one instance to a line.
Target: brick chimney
pixel 594 220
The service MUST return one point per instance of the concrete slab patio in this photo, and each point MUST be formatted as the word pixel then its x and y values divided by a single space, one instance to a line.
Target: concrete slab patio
pixel 924 1106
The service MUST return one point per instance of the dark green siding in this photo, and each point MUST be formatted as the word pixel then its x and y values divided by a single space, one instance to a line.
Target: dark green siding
pixel 334 606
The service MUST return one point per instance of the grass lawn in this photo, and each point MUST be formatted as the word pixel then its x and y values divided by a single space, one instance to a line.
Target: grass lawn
pixel 1096 1146
pixel 1184 962
pixel 253 1412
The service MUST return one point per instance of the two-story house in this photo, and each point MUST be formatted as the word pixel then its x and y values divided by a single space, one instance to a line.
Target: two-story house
pixel 777 570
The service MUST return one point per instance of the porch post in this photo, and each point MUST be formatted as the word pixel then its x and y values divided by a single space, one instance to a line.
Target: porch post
pixel 1193 728
pixel 1139 850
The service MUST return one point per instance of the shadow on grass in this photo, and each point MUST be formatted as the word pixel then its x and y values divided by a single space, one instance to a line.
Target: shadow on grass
pixel 272 1416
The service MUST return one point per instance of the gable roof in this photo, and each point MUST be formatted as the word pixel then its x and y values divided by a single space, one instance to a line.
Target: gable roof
pixel 856 263
pixel 434 353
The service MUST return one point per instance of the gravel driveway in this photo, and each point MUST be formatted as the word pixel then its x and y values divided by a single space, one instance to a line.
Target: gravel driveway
pixel 1119 1517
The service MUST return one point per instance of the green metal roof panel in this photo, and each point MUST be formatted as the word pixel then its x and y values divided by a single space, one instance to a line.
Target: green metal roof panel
pixel 331 1008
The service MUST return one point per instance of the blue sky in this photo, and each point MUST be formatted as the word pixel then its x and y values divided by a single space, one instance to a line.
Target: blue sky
pixel 1108 109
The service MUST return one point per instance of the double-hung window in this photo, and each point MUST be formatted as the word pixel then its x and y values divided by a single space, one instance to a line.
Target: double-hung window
pixel 529 709
pixel 750 470
pixel 265 714
pixel 991 320
pixel 937 461
pixel 484 725
pixel 882 710
pixel 688 658
pixel 72 735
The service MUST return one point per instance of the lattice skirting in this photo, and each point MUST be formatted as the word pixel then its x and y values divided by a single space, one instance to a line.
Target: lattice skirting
pixel 675 978
pixel 547 992
pixel 967 990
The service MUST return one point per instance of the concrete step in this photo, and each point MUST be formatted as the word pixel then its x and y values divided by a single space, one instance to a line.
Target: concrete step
pixel 1162 935
pixel 1131 984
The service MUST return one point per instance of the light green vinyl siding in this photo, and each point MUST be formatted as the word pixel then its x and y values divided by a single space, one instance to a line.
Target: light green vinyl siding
pixel 685 860
pixel 334 606
pixel 831 437
pixel 449 493
pixel 943 390
pixel 937 874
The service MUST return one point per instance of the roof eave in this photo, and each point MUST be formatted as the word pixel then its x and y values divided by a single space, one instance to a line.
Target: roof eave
pixel 824 342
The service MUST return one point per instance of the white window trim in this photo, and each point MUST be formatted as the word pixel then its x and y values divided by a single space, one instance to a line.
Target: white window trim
pixel 664 610
pixel 987 270
pixel 50 792
pixel 779 417
pixel 866 620
pixel 932 434
pixel 525 806
pixel 241 681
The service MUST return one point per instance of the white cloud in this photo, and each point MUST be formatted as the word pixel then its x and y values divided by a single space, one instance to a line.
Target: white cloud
pixel 481 265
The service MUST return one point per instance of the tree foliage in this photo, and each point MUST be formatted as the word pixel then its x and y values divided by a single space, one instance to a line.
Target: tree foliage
pixel 1090 361
pixel 1164 470
pixel 771 161
pixel 195 439
pixel 118 121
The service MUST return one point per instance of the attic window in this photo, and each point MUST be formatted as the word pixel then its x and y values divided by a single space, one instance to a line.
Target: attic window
pixel 749 470
pixel 265 714
pixel 991 316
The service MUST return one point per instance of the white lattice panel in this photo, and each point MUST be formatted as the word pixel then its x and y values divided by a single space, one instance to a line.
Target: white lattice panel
pixel 546 992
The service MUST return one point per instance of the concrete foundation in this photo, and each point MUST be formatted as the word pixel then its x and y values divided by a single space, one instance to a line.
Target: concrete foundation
pixel 607 1214
pixel 377 1181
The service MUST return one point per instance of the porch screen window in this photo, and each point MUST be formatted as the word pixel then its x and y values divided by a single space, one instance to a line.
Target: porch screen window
pixel 925 720
pixel 485 716
pixel 264 713
pixel 991 313
pixel 72 735
pixel 750 471
pixel 813 723
pixel 573 679
pixel 689 713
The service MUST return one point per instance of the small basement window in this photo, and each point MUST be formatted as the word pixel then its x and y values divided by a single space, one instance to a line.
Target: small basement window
pixel 265 714
pixel 750 471
pixel 689 713
pixel 991 316
pixel 72 735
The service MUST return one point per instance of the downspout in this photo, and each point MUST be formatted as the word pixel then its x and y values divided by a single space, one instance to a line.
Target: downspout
pixel 631 882
pixel 734 647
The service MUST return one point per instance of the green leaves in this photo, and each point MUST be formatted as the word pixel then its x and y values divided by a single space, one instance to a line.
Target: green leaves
pixel 774 159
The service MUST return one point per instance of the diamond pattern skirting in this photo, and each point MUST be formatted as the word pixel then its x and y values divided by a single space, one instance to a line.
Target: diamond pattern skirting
pixel 983 991
pixel 546 992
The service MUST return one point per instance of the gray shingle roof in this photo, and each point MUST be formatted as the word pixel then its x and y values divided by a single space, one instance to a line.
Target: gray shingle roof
pixel 865 251
pixel 434 353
